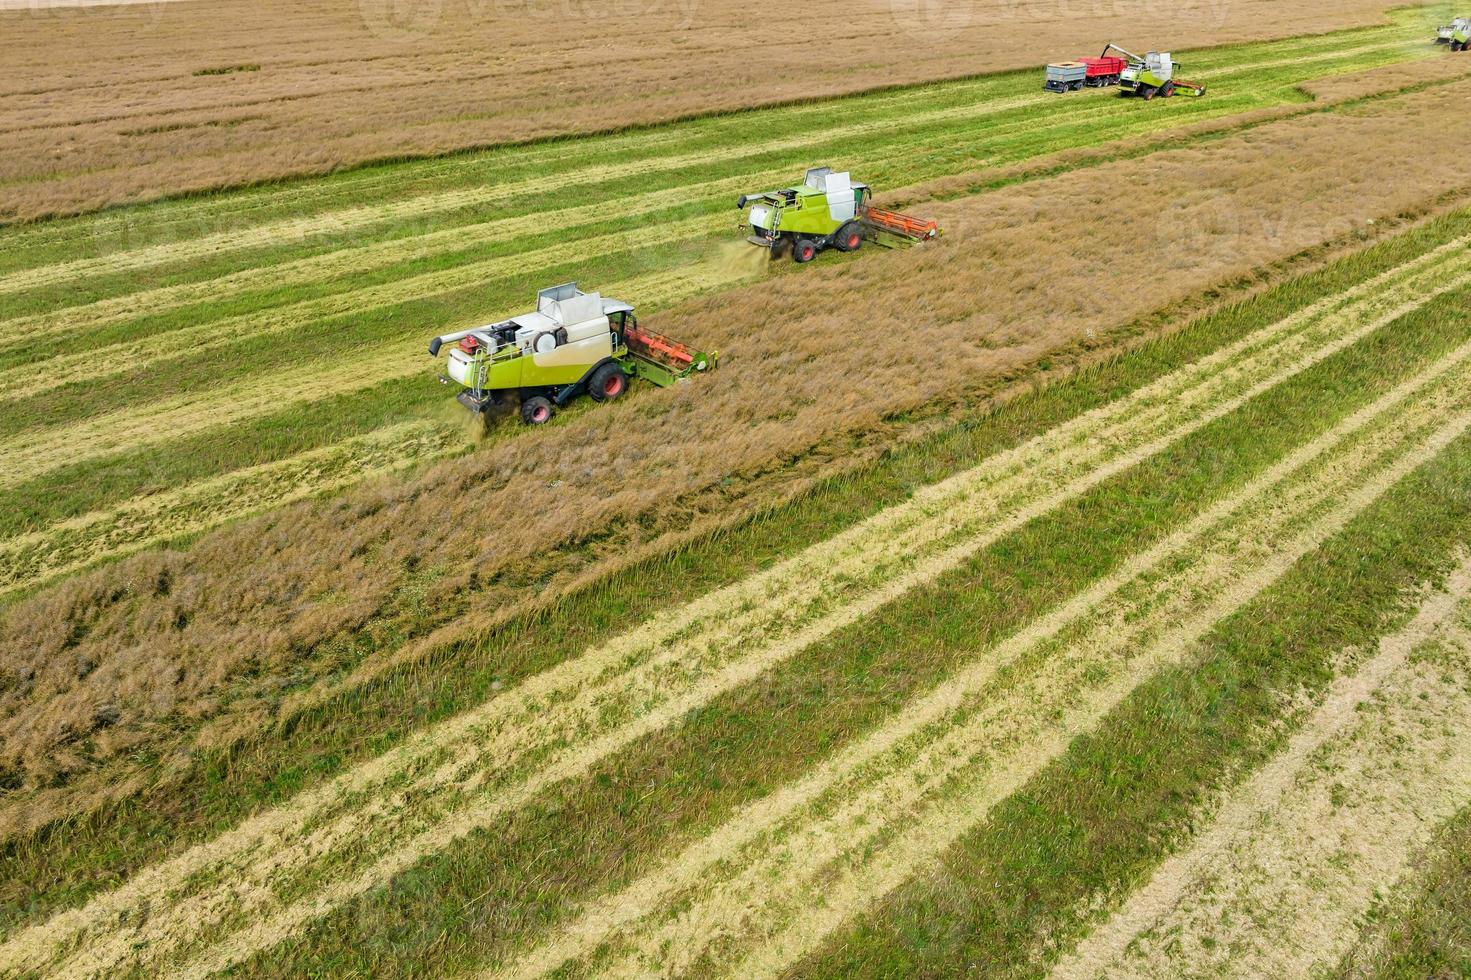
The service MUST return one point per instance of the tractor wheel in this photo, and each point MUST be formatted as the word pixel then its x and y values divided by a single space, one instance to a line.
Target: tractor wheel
pixel 849 238
pixel 608 383
pixel 1455 45
pixel 1167 90
pixel 536 411
pixel 1149 92
pixel 804 250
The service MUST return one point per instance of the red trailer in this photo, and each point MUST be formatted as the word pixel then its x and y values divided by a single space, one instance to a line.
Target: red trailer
pixel 1104 71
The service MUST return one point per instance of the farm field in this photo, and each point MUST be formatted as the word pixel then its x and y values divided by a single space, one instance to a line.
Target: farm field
pixel 229 403
pixel 215 93
pixel 1084 593
pixel 1251 534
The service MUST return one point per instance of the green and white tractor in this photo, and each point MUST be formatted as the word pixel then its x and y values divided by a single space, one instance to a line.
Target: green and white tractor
pixel 1153 75
pixel 828 210
pixel 573 343
pixel 1457 34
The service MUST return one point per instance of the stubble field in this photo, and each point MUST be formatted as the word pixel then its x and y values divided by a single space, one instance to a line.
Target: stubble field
pixel 905 664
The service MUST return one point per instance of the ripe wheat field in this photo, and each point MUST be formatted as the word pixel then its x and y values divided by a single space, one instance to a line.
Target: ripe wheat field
pixel 1131 636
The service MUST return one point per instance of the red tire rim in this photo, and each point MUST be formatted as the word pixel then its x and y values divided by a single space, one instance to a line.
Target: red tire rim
pixel 854 239
pixel 540 413
pixel 807 252
pixel 613 385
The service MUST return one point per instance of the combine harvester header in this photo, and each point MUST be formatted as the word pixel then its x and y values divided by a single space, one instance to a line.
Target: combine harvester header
pixel 829 210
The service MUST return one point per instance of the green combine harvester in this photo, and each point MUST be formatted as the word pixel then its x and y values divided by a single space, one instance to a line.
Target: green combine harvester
pixel 1153 75
pixel 574 343
pixel 827 211
pixel 1457 34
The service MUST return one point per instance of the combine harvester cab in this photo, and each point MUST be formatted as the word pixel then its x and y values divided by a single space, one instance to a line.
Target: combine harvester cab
pixel 573 343
pixel 1457 34
pixel 1152 75
pixel 829 210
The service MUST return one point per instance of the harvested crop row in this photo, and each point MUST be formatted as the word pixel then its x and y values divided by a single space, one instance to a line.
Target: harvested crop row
pixel 458 78
pixel 1289 865
pixel 342 263
pixel 809 596
pixel 356 219
pixel 265 207
pixel 985 731
pixel 145 521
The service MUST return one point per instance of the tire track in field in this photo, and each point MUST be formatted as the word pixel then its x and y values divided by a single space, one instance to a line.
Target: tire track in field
pixel 559 723
pixel 762 869
pixel 1289 866
pixel 140 522
pixel 30 455
pixel 355 218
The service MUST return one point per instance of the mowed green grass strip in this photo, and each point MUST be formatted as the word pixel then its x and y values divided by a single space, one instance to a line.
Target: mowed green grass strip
pixel 332 341
pixel 1017 890
pixel 65 864
pixel 633 809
